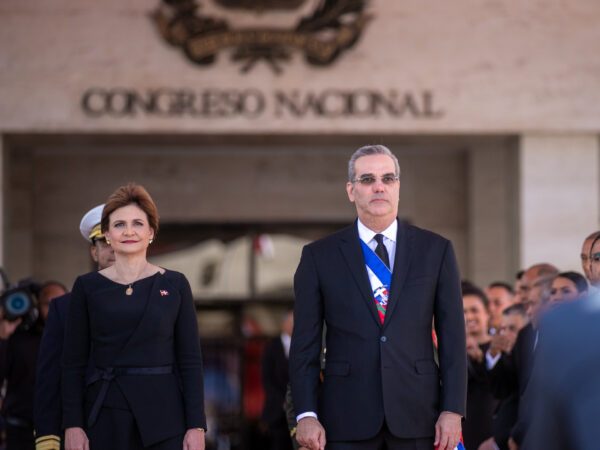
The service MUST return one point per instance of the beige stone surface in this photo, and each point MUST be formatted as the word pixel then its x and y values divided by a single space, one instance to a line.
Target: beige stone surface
pixel 499 66
pixel 559 197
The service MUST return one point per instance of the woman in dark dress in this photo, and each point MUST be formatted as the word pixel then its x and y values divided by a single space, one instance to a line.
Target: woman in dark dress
pixel 480 402
pixel 132 367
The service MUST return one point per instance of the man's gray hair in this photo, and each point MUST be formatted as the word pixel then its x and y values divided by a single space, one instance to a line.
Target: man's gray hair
pixel 370 150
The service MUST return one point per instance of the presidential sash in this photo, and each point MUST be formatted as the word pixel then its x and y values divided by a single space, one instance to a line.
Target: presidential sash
pixel 382 282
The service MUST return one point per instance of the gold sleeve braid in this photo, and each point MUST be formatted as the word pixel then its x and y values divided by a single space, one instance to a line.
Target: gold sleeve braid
pixel 48 442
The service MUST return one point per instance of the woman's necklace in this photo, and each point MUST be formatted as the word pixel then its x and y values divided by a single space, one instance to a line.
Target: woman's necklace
pixel 129 290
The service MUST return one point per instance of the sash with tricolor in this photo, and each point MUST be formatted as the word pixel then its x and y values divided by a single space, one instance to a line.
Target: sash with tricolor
pixel 382 281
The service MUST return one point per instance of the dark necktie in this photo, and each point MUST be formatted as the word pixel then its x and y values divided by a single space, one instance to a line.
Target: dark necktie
pixel 381 251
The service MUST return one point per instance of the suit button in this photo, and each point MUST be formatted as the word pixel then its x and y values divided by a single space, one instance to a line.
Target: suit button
pixel 383 339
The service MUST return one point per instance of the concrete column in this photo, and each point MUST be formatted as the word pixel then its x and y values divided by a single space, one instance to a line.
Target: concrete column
pixel 2 193
pixel 559 197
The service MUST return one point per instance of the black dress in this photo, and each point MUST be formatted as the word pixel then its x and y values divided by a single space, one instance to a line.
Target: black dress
pixel 132 367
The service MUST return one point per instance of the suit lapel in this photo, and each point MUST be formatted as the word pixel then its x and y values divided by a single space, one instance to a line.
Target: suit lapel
pixel 350 247
pixel 401 265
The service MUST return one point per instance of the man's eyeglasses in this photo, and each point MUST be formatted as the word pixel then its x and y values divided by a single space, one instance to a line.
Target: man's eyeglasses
pixel 367 180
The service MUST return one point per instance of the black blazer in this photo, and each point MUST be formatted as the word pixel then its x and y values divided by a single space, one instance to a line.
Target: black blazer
pixel 275 379
pixel 564 389
pixel 376 371
pixel 47 411
pixel 165 334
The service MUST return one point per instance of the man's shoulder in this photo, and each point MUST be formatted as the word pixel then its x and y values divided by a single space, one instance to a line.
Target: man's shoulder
pixel 334 239
pixel 61 302
pixel 421 234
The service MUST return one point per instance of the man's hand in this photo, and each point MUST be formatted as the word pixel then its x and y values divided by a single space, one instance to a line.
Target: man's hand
pixel 76 439
pixel 447 431
pixel 310 434
pixel 193 439
pixel 500 343
pixel 488 444
pixel 473 350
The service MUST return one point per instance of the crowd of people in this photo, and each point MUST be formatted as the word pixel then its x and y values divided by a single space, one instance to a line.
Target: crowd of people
pixel 116 363
pixel 503 323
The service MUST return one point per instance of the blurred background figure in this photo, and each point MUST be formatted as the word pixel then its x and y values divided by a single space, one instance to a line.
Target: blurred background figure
pixel 514 318
pixel 510 373
pixel 586 249
pixel 594 262
pixel 275 378
pixel 568 286
pixel 565 395
pixel 500 296
pixel 517 289
pixel 19 344
pixel 477 426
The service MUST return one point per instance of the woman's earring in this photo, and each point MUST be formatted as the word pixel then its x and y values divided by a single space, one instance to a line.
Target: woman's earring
pixel 150 241
pixel 107 241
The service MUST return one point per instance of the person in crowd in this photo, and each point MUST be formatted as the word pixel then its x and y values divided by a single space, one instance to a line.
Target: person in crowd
pixel 594 262
pixel 47 411
pixel 132 365
pixel 586 250
pixel 568 286
pixel 500 295
pixel 517 288
pixel 19 346
pixel 514 318
pixel 509 374
pixel 275 378
pixel 565 393
pixel 378 285
pixel 477 426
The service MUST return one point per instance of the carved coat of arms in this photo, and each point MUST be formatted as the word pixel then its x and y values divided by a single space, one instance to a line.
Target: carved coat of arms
pixel 331 28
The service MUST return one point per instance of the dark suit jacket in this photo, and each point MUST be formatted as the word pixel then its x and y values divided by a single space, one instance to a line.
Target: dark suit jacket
pixel 275 379
pixel 510 377
pixel 564 384
pixel 511 373
pixel 47 411
pixel 480 403
pixel 166 333
pixel 18 355
pixel 374 371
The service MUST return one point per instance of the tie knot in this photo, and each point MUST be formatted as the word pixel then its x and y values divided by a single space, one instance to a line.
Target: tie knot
pixel 379 238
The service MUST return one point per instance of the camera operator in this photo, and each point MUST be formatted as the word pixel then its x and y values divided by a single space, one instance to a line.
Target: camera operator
pixel 20 339
pixel 48 407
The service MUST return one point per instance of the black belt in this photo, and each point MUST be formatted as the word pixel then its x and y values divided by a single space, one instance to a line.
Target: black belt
pixel 106 375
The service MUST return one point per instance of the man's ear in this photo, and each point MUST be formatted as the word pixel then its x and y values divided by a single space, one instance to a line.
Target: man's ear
pixel 350 191
pixel 94 252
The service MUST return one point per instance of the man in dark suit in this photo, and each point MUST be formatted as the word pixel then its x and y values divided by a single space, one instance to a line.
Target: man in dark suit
pixel 565 393
pixel 47 414
pixel 275 379
pixel 510 373
pixel 378 285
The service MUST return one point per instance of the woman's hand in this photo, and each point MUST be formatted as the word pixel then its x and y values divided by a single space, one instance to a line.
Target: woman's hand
pixel 193 439
pixel 76 439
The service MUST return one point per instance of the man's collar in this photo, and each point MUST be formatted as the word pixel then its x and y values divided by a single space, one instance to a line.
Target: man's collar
pixel 366 234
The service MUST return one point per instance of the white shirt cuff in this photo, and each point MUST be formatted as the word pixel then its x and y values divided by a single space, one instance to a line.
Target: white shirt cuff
pixel 491 361
pixel 305 414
